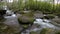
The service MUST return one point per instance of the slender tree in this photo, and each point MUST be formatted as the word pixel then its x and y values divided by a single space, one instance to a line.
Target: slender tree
pixel 53 5
pixel 57 3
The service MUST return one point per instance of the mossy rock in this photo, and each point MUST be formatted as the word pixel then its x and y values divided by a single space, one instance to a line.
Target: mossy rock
pixel 56 20
pixel 29 14
pixel 49 16
pixel 21 12
pixel 26 18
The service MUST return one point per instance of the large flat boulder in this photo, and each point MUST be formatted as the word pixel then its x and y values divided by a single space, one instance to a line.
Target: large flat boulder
pixel 25 19
pixel 57 20
pixel 38 14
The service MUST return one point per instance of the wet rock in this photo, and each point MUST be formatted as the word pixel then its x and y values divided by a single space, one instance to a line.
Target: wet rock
pixel 49 17
pixel 57 20
pixel 38 14
pixel 25 19
pixel 26 11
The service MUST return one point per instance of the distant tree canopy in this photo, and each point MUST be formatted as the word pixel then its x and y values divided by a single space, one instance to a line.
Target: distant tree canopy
pixel 1 5
pixel 45 6
pixel 30 4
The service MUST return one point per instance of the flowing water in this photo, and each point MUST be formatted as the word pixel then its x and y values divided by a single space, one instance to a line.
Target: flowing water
pixel 11 20
pixel 44 23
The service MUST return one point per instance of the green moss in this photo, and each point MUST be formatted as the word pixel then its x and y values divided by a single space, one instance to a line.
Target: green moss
pixel 25 26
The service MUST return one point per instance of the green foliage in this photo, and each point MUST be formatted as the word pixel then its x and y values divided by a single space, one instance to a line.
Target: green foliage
pixel 30 5
pixel 45 7
pixel 21 5
pixel 57 10
pixel 33 5
pixel 16 6
pixel 13 6
pixel 1 5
